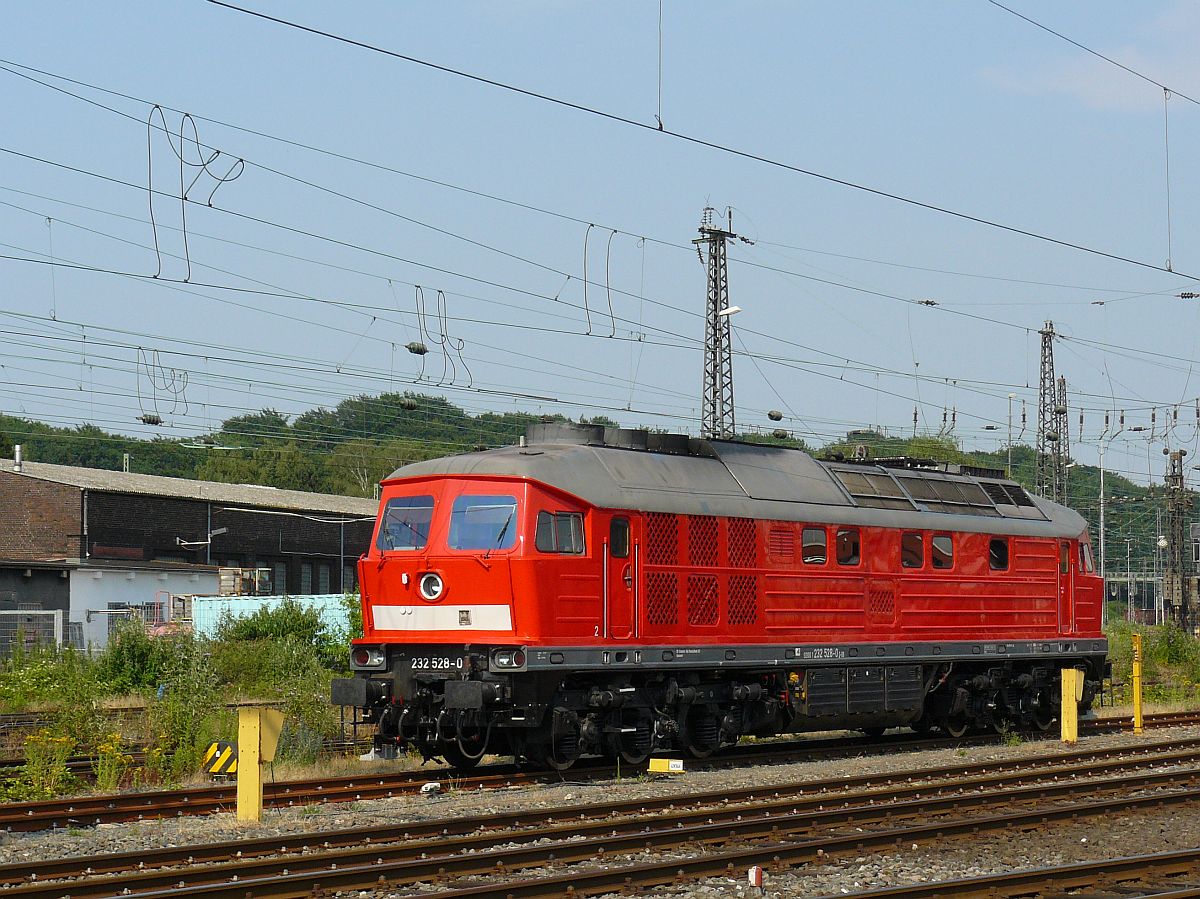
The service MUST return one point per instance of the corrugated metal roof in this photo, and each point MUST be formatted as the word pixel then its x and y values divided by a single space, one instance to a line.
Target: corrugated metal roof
pixel 182 488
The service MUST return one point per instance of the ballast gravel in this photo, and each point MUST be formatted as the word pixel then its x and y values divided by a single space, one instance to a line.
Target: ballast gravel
pixel 1060 843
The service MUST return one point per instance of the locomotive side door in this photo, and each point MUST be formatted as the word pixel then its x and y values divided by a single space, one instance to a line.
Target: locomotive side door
pixel 1066 588
pixel 620 579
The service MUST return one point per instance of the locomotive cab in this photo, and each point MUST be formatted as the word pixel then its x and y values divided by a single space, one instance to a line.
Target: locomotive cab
pixel 442 634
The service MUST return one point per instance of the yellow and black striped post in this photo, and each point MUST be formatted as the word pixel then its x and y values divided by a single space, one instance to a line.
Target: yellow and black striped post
pixel 221 758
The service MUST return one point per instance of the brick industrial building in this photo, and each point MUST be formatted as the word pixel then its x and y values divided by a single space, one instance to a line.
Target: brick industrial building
pixel 81 546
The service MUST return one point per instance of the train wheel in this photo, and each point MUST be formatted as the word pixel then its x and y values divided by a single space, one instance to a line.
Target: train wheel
pixel 921 725
pixel 1043 718
pixel 631 747
pixel 956 727
pixel 702 735
pixel 560 749
pixel 873 732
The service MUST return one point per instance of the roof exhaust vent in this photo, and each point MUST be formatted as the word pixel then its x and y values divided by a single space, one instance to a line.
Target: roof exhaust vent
pixel 17 458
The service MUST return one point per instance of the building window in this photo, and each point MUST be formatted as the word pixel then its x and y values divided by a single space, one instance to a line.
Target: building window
pixel 561 532
pixel 306 581
pixel 347 578
pixel 912 550
pixel 943 551
pixel 279 579
pixel 323 579
pixel 849 547
pixel 998 554
pixel 814 546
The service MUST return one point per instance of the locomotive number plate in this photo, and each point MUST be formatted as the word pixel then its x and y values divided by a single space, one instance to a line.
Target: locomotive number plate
pixel 436 663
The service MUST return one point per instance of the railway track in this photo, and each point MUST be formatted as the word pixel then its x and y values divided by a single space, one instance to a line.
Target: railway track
pixel 799 821
pixel 1162 874
pixel 87 811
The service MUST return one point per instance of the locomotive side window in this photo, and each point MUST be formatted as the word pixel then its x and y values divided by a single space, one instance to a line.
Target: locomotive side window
pixel 998 554
pixel 813 541
pixel 1064 557
pixel 559 532
pixel 1085 558
pixel 405 523
pixel 912 550
pixel 943 551
pixel 483 522
pixel 618 538
pixel 849 546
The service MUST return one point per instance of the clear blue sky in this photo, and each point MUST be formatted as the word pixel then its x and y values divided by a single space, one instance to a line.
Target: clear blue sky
pixel 957 104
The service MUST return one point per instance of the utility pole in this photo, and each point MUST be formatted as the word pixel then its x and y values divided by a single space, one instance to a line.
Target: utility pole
pixel 1177 572
pixel 1049 472
pixel 716 420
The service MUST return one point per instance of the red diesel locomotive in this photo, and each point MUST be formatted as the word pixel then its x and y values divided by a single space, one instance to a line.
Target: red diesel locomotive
pixel 608 591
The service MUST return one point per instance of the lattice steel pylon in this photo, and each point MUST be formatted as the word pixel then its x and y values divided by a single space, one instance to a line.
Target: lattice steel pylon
pixel 1177 569
pixel 716 419
pixel 1062 446
pixel 1050 475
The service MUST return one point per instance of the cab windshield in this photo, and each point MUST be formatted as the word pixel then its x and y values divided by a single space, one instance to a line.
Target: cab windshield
pixel 483 522
pixel 405 523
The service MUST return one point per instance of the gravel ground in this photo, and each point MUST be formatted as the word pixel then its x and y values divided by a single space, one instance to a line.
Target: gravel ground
pixel 1058 844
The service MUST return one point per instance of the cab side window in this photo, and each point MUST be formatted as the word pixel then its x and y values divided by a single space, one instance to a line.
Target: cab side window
pixel 559 532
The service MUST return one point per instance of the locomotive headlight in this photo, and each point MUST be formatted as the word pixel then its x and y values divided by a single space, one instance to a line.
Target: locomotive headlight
pixel 367 657
pixel 509 658
pixel 431 586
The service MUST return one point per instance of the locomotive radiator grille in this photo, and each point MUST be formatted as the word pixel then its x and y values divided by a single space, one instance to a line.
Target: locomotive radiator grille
pixel 743 599
pixel 662 539
pixel 703 599
pixel 703 545
pixel 662 598
pixel 743 543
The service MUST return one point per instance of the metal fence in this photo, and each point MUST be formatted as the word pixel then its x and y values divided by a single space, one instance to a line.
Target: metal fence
pixel 29 629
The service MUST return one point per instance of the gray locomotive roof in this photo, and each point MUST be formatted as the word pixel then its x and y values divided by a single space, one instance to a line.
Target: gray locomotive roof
pixel 727 479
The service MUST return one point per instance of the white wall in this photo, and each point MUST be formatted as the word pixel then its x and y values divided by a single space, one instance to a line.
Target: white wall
pixel 94 589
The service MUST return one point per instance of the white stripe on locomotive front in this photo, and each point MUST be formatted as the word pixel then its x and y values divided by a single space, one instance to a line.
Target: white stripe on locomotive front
pixel 442 618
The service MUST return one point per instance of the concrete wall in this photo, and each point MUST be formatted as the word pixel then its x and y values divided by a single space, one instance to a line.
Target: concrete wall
pixel 95 590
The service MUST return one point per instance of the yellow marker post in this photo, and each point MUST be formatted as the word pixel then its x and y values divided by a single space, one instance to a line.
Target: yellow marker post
pixel 1137 683
pixel 258 735
pixel 1072 692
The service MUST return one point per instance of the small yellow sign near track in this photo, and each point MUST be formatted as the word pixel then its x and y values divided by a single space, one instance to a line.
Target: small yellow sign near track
pixel 221 758
pixel 666 766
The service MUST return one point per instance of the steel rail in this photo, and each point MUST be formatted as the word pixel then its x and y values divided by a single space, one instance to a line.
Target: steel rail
pixel 802 794
pixel 1118 876
pixel 417 860
pixel 90 810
